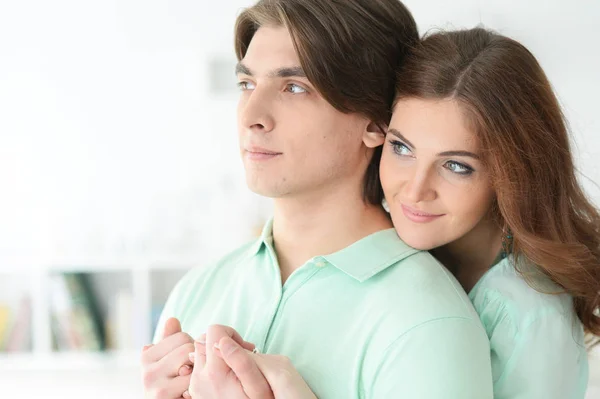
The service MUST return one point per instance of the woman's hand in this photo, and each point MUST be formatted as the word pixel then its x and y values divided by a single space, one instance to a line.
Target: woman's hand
pixel 212 377
pixel 252 370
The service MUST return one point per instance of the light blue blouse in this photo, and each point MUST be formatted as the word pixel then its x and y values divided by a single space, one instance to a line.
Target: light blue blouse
pixel 536 340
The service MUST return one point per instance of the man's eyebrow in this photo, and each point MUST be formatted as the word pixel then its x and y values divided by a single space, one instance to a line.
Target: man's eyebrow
pixel 288 72
pixel 285 72
pixel 243 69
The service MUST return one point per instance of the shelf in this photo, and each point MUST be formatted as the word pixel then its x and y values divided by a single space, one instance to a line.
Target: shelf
pixel 127 291
pixel 24 265
pixel 70 361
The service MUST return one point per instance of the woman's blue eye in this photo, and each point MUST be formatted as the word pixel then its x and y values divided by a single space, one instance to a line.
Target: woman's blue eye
pixel 458 168
pixel 400 148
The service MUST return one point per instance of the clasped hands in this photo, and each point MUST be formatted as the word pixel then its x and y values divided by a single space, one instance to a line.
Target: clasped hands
pixel 218 364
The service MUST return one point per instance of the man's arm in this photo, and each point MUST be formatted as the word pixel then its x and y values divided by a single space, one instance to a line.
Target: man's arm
pixel 447 358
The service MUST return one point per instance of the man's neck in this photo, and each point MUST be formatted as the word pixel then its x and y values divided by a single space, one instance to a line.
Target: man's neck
pixel 321 225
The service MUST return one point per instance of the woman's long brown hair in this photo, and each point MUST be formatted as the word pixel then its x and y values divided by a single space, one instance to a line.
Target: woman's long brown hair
pixel 509 103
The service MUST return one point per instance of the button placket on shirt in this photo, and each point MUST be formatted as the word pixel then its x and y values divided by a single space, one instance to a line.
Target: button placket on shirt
pixel 319 262
pixel 291 286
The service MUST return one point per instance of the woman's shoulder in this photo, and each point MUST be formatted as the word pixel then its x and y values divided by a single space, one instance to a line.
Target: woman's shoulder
pixel 526 316
pixel 519 298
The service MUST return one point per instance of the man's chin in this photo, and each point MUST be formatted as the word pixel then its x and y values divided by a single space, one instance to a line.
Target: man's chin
pixel 263 190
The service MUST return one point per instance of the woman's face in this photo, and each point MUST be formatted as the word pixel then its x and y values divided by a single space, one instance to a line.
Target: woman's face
pixel 432 174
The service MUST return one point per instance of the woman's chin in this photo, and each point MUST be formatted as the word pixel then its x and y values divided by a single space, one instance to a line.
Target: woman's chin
pixel 421 243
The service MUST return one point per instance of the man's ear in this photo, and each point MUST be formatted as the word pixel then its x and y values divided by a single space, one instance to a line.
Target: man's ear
pixel 374 135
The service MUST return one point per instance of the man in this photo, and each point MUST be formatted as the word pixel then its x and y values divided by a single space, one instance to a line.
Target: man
pixel 329 284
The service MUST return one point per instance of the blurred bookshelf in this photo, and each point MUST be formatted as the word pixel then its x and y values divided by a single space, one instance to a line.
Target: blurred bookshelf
pixel 82 314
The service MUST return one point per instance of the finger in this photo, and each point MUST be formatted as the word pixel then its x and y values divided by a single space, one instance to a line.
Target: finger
pixel 238 338
pixel 164 347
pixel 249 346
pixel 245 368
pixel 172 326
pixel 198 357
pixel 172 363
pixel 215 366
pixel 185 370
pixel 235 336
pixel 198 379
pixel 172 388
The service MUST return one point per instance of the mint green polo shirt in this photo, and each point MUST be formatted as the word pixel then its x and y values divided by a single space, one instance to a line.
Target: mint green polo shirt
pixel 377 319
pixel 536 339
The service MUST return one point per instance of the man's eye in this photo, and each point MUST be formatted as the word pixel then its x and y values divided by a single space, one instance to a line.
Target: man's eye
pixel 295 89
pixel 245 85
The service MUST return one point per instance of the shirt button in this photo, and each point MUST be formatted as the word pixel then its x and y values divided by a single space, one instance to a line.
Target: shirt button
pixel 320 264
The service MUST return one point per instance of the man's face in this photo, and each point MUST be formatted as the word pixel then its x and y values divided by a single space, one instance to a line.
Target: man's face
pixel 292 142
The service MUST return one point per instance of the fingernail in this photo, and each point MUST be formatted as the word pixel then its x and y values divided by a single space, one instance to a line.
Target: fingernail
pixel 192 356
pixel 228 346
pixel 186 395
pixel 185 370
pixel 217 346
pixel 146 347
pixel 201 339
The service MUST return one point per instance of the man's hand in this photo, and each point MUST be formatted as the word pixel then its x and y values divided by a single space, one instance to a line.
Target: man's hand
pixel 166 366
pixel 214 378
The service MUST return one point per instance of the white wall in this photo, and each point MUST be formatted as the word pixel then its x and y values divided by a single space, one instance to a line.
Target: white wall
pixel 108 140
pixel 111 141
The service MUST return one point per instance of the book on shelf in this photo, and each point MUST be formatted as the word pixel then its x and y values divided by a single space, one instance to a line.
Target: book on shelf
pixel 120 323
pixel 75 317
pixel 5 324
pixel 15 327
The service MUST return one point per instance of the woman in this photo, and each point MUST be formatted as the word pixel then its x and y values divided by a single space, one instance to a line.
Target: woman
pixel 477 168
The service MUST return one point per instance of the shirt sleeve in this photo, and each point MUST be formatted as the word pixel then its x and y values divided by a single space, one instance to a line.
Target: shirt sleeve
pixel 546 359
pixel 440 359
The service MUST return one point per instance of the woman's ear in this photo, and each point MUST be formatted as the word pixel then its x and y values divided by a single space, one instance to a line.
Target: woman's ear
pixel 374 135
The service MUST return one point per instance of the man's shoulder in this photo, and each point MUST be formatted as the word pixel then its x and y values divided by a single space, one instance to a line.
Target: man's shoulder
pixel 231 259
pixel 421 274
pixel 425 289
pixel 184 300
pixel 202 274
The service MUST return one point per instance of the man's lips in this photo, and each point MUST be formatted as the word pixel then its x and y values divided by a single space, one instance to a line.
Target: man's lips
pixel 260 154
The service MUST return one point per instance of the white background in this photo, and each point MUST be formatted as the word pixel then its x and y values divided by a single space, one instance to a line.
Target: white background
pixel 113 142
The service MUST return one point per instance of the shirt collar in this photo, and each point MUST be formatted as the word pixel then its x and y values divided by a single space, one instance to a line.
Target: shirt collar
pixel 371 255
pixel 266 237
pixel 361 260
